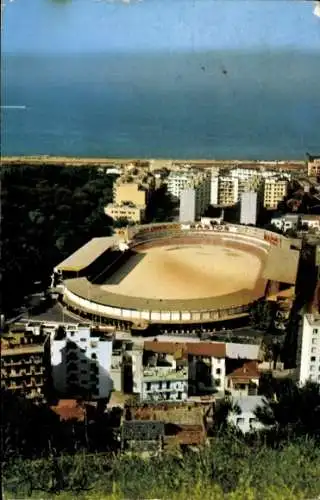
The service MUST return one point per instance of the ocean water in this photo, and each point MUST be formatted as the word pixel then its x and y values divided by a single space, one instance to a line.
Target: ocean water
pixel 212 105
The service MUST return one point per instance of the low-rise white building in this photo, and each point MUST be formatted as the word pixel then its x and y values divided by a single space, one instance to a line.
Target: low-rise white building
pixel 81 359
pixel 243 380
pixel 160 372
pixel 286 222
pixel 309 349
pixel 175 370
pixel 312 221
pixel 245 420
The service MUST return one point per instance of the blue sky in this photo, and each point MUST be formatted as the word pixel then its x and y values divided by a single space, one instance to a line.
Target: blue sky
pixel 71 26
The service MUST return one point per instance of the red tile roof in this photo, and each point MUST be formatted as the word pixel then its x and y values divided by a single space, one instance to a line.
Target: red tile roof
pixel 206 349
pixel 165 347
pixel 247 371
pixel 187 435
pixel 69 409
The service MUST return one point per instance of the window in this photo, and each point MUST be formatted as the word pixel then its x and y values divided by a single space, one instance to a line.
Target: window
pixel 82 340
pixel 312 368
pixel 252 421
pixel 314 341
pixel 83 372
pixel 240 421
pixel 314 349
pixel 315 330
pixel 218 382
pixel 218 371
pixel 93 356
pixel 148 386
pixel 313 358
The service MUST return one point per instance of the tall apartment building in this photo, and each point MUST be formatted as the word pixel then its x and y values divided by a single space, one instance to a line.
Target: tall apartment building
pixel 81 359
pixel 309 349
pixel 131 195
pixel 313 166
pixel 24 364
pixel 249 207
pixel 195 199
pixel 275 189
pixel 224 191
pixel 178 180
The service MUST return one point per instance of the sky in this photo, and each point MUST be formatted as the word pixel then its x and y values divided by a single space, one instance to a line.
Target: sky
pixel 77 26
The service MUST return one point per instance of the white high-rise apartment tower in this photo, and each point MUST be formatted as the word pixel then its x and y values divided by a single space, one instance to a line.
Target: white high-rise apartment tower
pixel 309 349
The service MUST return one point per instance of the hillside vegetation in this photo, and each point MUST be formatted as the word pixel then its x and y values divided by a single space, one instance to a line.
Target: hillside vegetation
pixel 228 468
pixel 47 213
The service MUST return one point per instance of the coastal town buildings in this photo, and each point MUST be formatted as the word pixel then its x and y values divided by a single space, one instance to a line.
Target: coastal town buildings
pixel 24 364
pixel 179 180
pixel 132 192
pixel 275 189
pixel 308 354
pixel 224 190
pixel 313 166
pixel 227 188
pixel 81 359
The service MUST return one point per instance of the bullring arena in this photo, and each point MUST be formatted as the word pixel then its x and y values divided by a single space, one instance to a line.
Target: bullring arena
pixel 174 274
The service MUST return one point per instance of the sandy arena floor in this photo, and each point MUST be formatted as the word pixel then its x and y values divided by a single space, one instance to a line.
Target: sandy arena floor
pixel 185 272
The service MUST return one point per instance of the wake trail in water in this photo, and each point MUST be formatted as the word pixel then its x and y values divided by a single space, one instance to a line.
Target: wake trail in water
pixel 13 107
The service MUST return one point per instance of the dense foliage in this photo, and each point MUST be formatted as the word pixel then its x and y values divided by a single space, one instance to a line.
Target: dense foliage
pixel 227 468
pixel 47 213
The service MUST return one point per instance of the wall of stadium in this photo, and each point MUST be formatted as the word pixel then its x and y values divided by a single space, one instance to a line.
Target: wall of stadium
pixel 161 316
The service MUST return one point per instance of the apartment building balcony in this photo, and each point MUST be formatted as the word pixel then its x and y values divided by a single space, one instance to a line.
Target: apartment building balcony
pixel 158 373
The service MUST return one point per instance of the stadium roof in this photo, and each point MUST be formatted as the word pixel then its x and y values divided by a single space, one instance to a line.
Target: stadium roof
pixel 87 254
pixel 282 265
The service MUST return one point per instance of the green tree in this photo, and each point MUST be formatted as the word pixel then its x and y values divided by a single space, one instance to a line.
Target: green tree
pixel 292 410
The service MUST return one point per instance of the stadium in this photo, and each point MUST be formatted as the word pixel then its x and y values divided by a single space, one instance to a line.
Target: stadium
pixel 177 277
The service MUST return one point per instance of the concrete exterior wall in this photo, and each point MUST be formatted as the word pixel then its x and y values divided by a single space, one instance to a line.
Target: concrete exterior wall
pixel 58 366
pixel 187 212
pixel 249 208
pixel 218 372
pixel 130 191
pixel 246 421
pixel 309 362
pixel 87 350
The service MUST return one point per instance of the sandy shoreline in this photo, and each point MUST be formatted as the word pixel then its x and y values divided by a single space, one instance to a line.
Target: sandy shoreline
pixel 77 161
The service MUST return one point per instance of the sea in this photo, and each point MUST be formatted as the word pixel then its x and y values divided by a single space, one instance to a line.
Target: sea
pixel 213 105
